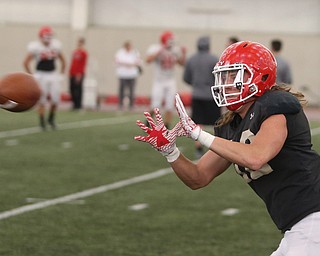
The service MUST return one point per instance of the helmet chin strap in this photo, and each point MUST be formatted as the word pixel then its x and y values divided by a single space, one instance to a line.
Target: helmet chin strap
pixel 242 105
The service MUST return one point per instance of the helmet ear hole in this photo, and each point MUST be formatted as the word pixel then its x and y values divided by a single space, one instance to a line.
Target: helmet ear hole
pixel 264 77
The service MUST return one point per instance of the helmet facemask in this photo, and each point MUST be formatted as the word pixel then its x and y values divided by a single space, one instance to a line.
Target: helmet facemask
pixel 46 38
pixel 167 39
pixel 46 34
pixel 233 85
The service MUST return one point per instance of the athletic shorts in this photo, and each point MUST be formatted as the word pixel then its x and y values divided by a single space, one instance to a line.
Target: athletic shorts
pixel 50 86
pixel 303 239
pixel 205 112
pixel 163 92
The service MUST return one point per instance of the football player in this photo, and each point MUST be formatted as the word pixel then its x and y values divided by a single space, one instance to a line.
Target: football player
pixel 45 52
pixel 165 56
pixel 265 135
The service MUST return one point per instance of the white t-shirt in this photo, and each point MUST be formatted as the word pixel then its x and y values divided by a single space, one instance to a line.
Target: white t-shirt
pixel 39 50
pixel 127 62
pixel 45 55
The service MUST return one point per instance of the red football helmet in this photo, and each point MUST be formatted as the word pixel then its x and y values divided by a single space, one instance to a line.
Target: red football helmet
pixel 245 69
pixel 167 38
pixel 45 33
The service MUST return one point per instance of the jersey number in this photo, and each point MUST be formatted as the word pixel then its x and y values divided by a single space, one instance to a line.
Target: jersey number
pixel 167 60
pixel 247 174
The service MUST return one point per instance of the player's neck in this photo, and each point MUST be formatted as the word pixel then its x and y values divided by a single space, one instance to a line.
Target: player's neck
pixel 244 108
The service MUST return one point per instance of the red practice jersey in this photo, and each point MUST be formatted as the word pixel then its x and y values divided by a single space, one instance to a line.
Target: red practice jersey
pixel 78 62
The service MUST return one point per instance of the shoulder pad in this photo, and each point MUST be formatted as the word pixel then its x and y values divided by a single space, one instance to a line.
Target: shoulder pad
pixel 33 46
pixel 56 44
pixel 278 102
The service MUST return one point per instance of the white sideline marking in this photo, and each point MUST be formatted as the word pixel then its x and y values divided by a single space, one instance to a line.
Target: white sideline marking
pixel 67 144
pixel 123 147
pixel 315 131
pixel 230 211
pixel 138 207
pixel 67 126
pixel 12 142
pixel 85 193
pixel 36 200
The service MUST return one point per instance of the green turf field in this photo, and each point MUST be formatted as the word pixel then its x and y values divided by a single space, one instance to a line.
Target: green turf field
pixel 96 150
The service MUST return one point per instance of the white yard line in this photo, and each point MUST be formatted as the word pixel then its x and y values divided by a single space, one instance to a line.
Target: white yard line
pixel 83 194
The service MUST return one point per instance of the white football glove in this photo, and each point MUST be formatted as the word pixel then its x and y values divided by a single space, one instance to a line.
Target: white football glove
pixel 191 129
pixel 159 137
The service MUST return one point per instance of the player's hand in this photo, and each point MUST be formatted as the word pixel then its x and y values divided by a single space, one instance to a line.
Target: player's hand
pixel 191 129
pixel 159 137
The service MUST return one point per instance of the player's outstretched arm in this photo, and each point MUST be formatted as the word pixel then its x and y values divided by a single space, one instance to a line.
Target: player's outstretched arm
pixel 163 140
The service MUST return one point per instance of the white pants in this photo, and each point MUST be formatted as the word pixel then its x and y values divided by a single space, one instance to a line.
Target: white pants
pixel 303 239
pixel 163 91
pixel 50 85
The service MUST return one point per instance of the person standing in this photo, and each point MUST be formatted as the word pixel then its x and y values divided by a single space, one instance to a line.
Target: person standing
pixel 284 75
pixel 77 73
pixel 197 73
pixel 128 63
pixel 165 56
pixel 232 40
pixel 265 136
pixel 45 52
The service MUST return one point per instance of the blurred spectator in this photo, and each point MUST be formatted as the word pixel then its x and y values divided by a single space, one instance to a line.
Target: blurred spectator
pixel 45 52
pixel 283 68
pixel 128 63
pixel 165 56
pixel 232 40
pixel 198 74
pixel 77 73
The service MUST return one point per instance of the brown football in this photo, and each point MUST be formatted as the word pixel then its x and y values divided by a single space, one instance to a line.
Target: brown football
pixel 18 92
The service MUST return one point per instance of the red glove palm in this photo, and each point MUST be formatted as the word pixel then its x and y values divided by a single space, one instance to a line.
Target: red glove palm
pixel 159 137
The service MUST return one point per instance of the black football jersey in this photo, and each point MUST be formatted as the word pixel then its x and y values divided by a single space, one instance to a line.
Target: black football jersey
pixel 46 65
pixel 289 184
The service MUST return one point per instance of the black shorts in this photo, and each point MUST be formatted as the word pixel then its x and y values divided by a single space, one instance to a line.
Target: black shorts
pixel 205 112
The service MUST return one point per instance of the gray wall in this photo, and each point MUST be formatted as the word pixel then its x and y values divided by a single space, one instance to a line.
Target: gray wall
pixel 112 22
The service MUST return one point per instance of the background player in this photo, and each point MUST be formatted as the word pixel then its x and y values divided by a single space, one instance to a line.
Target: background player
pixel 232 40
pixel 265 134
pixel 45 52
pixel 165 56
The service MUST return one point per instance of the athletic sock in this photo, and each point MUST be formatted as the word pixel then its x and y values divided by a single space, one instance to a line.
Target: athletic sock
pixel 51 120
pixel 42 122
